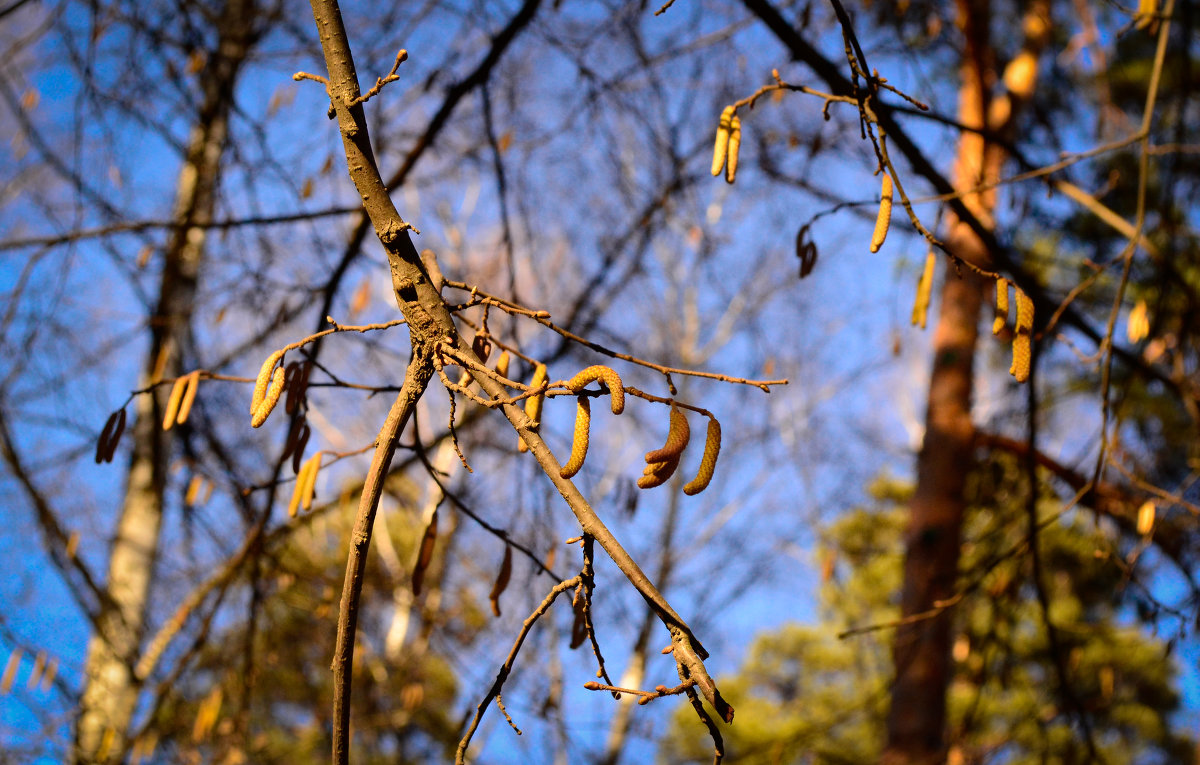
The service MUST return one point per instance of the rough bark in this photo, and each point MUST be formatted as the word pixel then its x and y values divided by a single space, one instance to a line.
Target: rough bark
pixel 921 652
pixel 111 688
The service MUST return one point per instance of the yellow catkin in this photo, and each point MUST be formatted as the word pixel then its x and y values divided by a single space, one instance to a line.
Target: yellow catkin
pixel 264 377
pixel 72 545
pixel 1138 326
pixel 193 490
pixel 579 444
pixel 50 674
pixel 10 670
pixel 735 143
pixel 207 714
pixel 298 488
pixel 1146 12
pixel 657 473
pixel 708 463
pixel 1001 306
pixel 678 436
pixel 502 364
pixel 173 400
pixel 533 404
pixel 1022 348
pixel 605 375
pixel 920 312
pixel 1024 311
pixel 189 397
pixel 1022 344
pixel 270 400
pixel 884 219
pixel 106 744
pixel 39 664
pixel 310 482
pixel 721 147
pixel 1145 517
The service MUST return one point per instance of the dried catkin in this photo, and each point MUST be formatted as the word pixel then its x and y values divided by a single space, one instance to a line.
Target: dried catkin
pixel 1001 305
pixel 735 142
pixel 605 375
pixel 425 555
pixel 678 436
pixel 721 147
pixel 270 400
pixel 189 397
pixel 301 442
pixel 501 581
pixel 579 444
pixel 920 312
pixel 884 219
pixel 115 439
pixel 708 463
pixel 173 400
pixel 106 436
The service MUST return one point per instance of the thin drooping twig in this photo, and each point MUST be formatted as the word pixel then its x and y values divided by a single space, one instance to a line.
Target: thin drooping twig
pixel 506 667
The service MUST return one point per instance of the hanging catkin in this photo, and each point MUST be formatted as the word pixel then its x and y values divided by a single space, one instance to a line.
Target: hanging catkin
pixel 605 375
pixel 1001 306
pixel 884 219
pixel 721 147
pixel 579 444
pixel 920 310
pixel 708 463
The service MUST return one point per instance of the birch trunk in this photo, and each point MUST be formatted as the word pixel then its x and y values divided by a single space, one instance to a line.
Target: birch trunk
pixel 111 689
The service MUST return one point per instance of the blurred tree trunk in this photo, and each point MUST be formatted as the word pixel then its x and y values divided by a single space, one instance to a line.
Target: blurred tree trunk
pixel 921 653
pixel 111 689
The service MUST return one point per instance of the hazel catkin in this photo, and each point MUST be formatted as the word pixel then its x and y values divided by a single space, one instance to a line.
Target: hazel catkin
pixel 721 146
pixel 605 375
pixel 172 409
pixel 678 436
pixel 269 401
pixel 920 310
pixel 735 142
pixel 579 444
pixel 708 463
pixel 1022 343
pixel 263 380
pixel 884 219
pixel 189 397
pixel 533 404
pixel 657 473
pixel 1001 306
